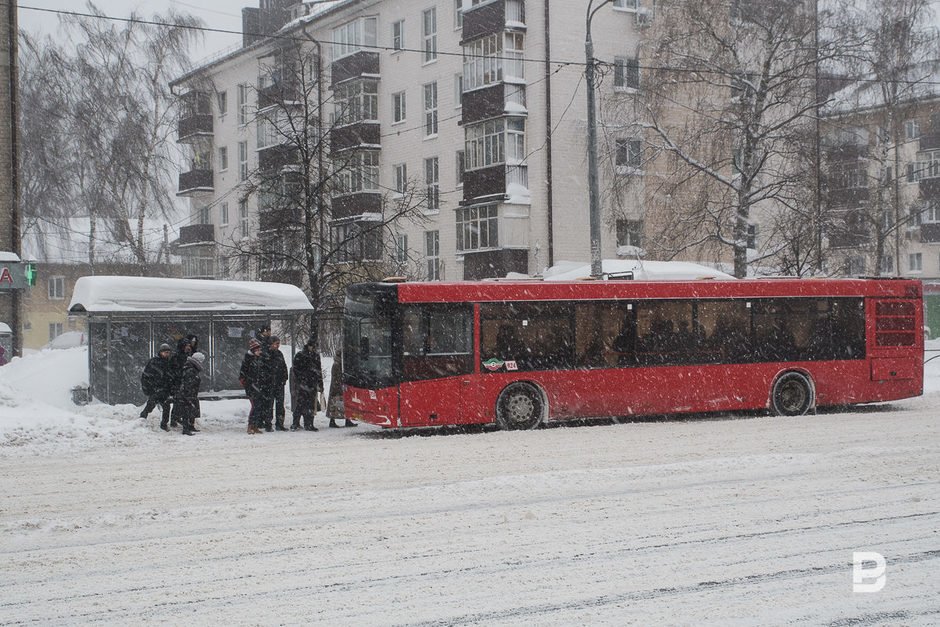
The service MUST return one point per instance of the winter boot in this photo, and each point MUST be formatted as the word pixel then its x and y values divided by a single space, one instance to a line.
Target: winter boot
pixel 163 425
pixel 295 425
pixel 333 424
pixel 308 424
pixel 350 423
pixel 279 424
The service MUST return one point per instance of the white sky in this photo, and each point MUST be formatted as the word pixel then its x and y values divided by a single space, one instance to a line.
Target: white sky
pixel 221 14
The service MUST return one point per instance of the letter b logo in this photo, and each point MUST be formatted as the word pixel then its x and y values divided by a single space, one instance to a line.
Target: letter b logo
pixel 868 571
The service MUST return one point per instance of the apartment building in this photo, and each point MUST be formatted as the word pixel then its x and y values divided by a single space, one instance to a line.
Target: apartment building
pixel 474 111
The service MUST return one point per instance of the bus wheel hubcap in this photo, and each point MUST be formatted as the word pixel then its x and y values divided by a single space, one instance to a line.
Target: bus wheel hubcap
pixel 792 396
pixel 520 407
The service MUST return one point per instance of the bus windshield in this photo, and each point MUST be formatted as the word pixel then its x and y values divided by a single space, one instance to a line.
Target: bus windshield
pixel 367 339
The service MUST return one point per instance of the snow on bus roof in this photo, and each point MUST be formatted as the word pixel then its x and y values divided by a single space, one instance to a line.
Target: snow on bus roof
pixel 641 270
pixel 103 294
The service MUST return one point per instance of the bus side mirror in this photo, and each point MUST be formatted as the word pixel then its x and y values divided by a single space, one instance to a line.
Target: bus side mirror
pixel 364 347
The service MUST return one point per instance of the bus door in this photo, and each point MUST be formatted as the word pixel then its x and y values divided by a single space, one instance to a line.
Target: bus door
pixel 437 382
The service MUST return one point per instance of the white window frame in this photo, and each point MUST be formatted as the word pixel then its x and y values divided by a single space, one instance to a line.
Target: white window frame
pixel 243 219
pixel 432 254
pixel 911 129
pixel 401 248
pixel 628 154
pixel 401 178
pixel 55 330
pixel 243 161
pixel 221 100
pixel 629 6
pixel 458 14
pixel 223 214
pixel 430 110
pixel 356 101
pixel 398 36
pixel 429 32
pixel 55 288
pixel 223 158
pixel 460 166
pixel 477 228
pixel 359 173
pixel 399 107
pixel 626 74
pixel 493 59
pixel 458 91
pixel 203 215
pixel 353 36
pixel 432 182
pixel 915 262
pixel 494 142
pixel 243 104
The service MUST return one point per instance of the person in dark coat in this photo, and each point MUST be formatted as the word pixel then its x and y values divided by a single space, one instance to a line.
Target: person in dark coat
pixel 183 350
pixel 335 406
pixel 263 335
pixel 306 384
pixel 278 380
pixel 157 383
pixel 186 407
pixel 255 377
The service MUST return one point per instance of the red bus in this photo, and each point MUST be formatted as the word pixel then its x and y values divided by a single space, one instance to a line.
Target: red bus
pixel 518 353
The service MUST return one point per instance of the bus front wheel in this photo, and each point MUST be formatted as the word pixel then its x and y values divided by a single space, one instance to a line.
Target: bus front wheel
pixel 520 406
pixel 792 395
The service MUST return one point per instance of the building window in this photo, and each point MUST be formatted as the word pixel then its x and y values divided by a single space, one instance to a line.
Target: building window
pixel 358 173
pixel 912 129
pixel 626 73
pixel 492 59
pixel 243 112
pixel 429 20
pixel 357 241
pixel 494 142
pixel 855 266
pixel 353 36
pixel 398 35
pixel 887 264
pixel 223 159
pixel 56 287
pixel 460 167
pixel 398 107
pixel 752 231
pixel 55 330
pixel 222 101
pixel 223 214
pixel 630 233
pixel 430 109
pixel 432 181
pixel 931 214
pixel 477 228
pixel 243 218
pixel 401 248
pixel 628 153
pixel 625 5
pixel 915 262
pixel 928 165
pixel 243 161
pixel 356 101
pixel 401 178
pixel 432 253
pixel 458 91
pixel 458 14
pixel 202 215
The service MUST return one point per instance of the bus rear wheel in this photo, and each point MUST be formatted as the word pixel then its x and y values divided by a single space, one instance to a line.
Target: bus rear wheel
pixel 792 395
pixel 519 406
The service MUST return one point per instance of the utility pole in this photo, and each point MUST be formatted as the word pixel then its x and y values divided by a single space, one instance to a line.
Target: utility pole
pixel 9 163
pixel 593 187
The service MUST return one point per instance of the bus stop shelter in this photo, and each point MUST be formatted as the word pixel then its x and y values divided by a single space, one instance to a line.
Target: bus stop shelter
pixel 130 317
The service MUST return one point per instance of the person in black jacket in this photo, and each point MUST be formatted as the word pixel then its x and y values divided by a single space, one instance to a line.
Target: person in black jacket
pixel 255 377
pixel 278 379
pixel 186 407
pixel 306 384
pixel 184 349
pixel 157 383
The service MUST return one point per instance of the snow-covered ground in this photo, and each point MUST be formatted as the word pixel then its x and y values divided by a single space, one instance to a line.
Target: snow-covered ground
pixel 730 521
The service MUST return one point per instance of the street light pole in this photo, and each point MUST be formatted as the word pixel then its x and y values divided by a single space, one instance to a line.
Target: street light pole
pixel 593 187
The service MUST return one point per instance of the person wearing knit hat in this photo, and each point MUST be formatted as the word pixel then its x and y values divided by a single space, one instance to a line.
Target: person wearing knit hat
pixel 255 377
pixel 186 407
pixel 156 382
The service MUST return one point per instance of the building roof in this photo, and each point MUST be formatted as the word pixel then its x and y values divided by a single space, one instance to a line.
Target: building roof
pixel 106 294
pixel 866 94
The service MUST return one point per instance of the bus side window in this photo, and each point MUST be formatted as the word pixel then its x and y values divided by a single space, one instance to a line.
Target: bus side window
pixel 532 336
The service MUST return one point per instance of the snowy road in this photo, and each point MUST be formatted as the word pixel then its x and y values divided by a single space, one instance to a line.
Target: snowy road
pixel 725 521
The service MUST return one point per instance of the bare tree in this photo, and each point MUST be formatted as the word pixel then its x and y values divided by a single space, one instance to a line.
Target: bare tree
pixel 727 111
pixel 323 221
pixel 893 63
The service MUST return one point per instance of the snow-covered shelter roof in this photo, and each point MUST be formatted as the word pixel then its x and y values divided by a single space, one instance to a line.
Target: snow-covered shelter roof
pixel 108 294
pixel 8 257
pixel 5 328
pixel 642 270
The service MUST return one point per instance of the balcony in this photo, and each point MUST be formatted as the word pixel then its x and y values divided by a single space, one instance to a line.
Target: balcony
pixel 493 17
pixel 846 153
pixel 360 134
pixel 929 141
pixel 492 101
pixel 853 197
pixel 358 64
pixel 276 157
pixel 278 219
pixel 194 126
pixel 930 232
pixel 929 188
pixel 197 234
pixel 352 205
pixel 194 182
pixel 279 94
